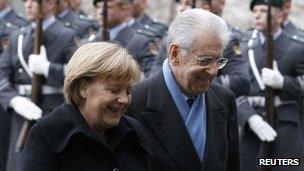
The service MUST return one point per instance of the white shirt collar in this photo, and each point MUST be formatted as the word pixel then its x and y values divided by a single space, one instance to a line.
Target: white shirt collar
pixel 46 23
pixel 5 11
pixel 63 13
pixel 275 35
pixel 286 22
pixel 114 31
pixel 131 22
pixel 186 97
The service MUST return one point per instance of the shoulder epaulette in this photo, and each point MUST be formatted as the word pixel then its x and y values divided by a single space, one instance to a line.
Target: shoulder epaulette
pixel 146 33
pixel 153 30
pixel 236 34
pixel 20 16
pixel 160 24
pixel 70 25
pixel 85 18
pixel 247 35
pixel 9 25
pixel 297 38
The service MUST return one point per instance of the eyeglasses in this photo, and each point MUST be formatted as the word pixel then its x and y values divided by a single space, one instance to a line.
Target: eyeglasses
pixel 206 61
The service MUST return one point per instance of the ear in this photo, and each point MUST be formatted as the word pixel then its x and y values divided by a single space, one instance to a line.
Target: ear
pixel 174 50
pixel 83 89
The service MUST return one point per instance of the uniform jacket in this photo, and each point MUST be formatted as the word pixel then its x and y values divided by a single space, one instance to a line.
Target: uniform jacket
pixel 8 24
pixel 59 42
pixel 15 19
pixel 79 23
pixel 235 75
pixel 12 21
pixel 158 28
pixel 292 30
pixel 137 44
pixel 63 140
pixel 154 107
pixel 288 53
pixel 289 141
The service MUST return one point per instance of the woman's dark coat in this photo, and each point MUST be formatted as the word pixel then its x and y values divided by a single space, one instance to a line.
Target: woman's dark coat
pixel 63 140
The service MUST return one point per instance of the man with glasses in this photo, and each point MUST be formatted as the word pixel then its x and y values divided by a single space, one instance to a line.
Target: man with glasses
pixel 286 79
pixel 234 75
pixel 190 121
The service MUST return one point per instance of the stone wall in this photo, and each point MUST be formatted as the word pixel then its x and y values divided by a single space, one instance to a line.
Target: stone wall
pixel 236 12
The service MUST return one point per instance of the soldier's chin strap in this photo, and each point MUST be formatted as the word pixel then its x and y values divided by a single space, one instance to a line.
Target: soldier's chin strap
pixel 252 61
pixel 21 57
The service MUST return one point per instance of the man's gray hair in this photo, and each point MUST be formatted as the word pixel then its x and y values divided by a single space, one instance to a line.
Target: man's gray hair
pixel 186 27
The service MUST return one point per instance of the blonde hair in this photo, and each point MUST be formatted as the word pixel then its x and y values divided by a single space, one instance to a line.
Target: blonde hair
pixel 101 59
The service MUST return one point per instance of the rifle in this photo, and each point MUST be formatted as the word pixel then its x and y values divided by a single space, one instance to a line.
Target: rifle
pixel 266 146
pixel 105 31
pixel 36 81
pixel 193 5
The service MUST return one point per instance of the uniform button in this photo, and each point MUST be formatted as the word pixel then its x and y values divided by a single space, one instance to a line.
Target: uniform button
pixel 20 70
pixel 115 169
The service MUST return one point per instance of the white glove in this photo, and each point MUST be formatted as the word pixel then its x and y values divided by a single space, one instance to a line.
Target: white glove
pixel 272 77
pixel 25 107
pixel 261 128
pixel 39 64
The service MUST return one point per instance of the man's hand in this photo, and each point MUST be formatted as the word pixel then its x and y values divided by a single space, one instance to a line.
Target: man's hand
pixel 26 108
pixel 272 77
pixel 39 64
pixel 261 128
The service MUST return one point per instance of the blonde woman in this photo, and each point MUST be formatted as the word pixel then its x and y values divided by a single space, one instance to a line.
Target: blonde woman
pixel 89 131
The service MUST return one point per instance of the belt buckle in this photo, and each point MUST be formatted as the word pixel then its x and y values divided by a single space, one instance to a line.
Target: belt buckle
pixel 28 90
pixel 25 90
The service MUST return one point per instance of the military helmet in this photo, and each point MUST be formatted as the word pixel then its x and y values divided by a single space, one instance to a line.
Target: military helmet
pixel 274 3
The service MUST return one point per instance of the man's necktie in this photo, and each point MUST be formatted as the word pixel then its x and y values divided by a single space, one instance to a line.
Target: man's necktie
pixel 190 102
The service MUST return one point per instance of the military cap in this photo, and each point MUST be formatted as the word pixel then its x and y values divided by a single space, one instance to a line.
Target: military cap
pixel 274 3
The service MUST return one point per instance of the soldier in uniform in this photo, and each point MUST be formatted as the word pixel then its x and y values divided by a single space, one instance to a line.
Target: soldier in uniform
pixel 75 5
pixel 286 80
pixel 79 22
pixel 140 15
pixel 8 14
pixel 152 37
pixel 288 25
pixel 17 66
pixel 9 21
pixel 296 33
pixel 121 33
